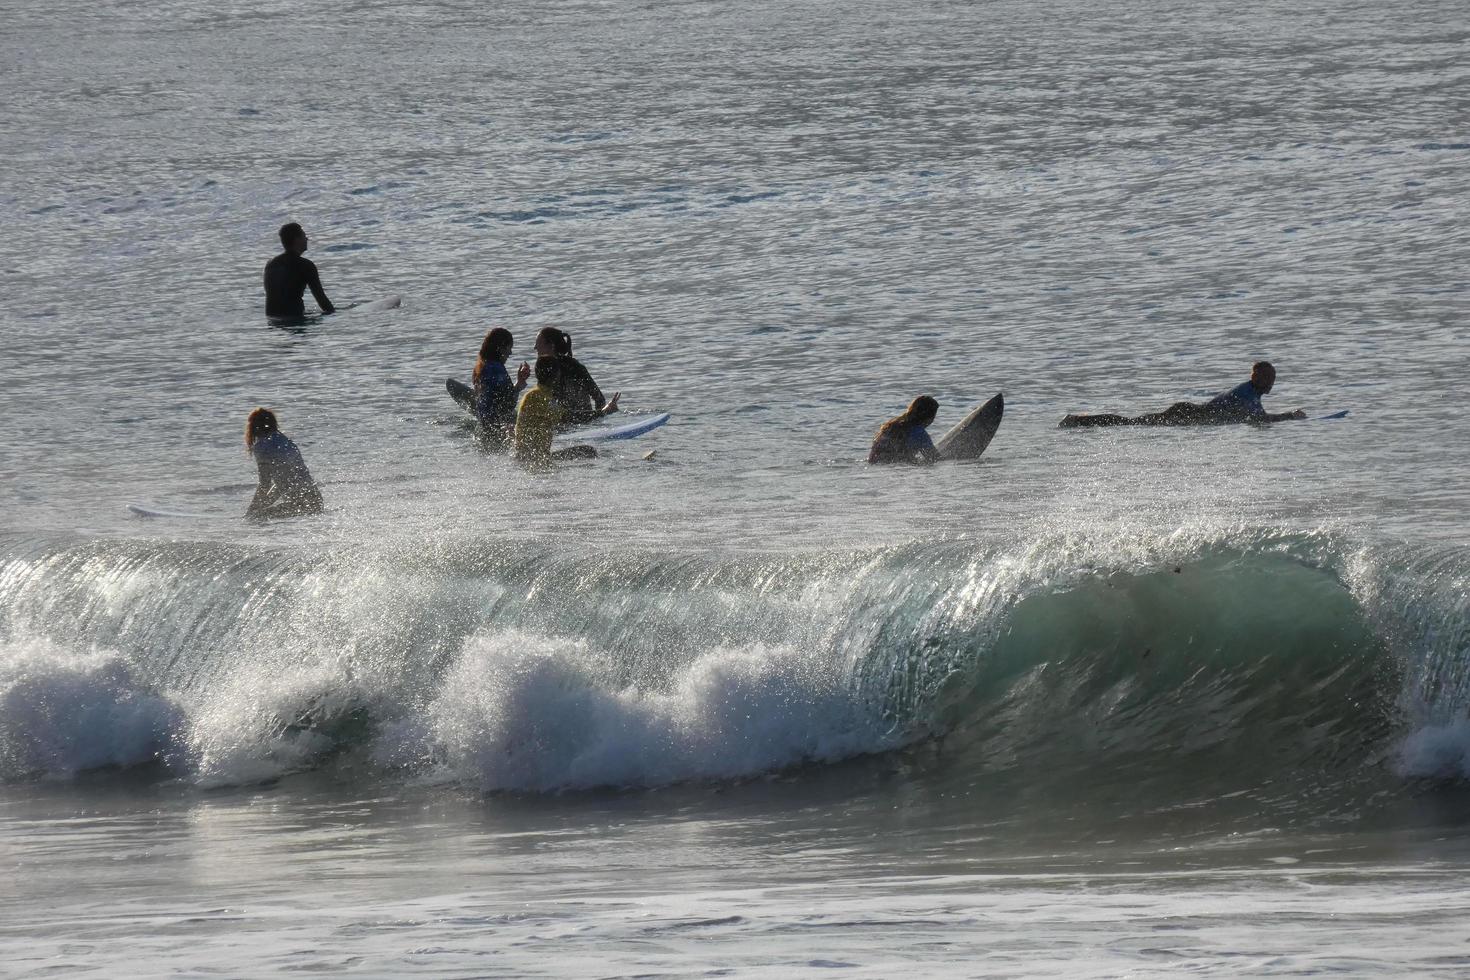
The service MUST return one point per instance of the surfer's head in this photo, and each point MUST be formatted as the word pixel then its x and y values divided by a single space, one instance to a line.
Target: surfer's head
pixel 1263 376
pixel 548 370
pixel 262 422
pixel 922 410
pixel 293 238
pixel 497 345
pixel 551 341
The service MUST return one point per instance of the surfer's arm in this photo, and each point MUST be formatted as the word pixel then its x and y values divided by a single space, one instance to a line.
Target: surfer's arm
pixel 582 418
pixel 268 491
pixel 1281 416
pixel 314 282
pixel 597 397
pixel 922 448
pixel 262 500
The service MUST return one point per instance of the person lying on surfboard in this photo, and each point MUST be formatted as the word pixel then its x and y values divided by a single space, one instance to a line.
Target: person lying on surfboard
pixel 288 275
pixel 576 390
pixel 495 395
pixel 286 488
pixel 538 416
pixel 1240 404
pixel 904 438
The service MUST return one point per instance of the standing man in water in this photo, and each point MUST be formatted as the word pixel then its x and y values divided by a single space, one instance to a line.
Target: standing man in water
pixel 289 274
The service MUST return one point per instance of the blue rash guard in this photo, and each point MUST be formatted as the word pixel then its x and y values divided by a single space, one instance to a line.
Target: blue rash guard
pixel 1243 399
pixel 495 395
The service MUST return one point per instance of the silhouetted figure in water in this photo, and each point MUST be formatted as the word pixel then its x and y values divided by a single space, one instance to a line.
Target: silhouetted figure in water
pixel 1240 404
pixel 286 488
pixel 905 438
pixel 575 389
pixel 539 414
pixel 289 275
pixel 495 393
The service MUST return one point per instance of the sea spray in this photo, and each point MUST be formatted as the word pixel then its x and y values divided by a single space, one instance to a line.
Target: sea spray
pixel 522 712
pixel 64 711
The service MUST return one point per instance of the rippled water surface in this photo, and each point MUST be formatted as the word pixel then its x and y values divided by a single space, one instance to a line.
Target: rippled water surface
pixel 1104 702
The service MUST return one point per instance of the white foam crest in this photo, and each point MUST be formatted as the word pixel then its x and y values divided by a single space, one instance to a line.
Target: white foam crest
pixel 528 713
pixel 66 711
pixel 259 724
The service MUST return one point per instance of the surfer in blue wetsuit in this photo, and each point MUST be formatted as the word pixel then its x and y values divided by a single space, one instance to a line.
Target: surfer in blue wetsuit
pixel 495 394
pixel 286 488
pixel 905 439
pixel 1240 404
pixel 290 274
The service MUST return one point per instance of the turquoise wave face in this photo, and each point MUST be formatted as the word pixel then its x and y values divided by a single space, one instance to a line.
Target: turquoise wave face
pixel 1173 665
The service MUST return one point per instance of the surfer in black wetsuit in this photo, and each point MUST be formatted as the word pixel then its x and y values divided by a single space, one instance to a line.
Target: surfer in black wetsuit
pixel 575 389
pixel 288 275
pixel 1240 404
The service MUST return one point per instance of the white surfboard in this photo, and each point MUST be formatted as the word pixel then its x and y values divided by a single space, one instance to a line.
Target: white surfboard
pixel 144 510
pixel 628 430
pixel 379 305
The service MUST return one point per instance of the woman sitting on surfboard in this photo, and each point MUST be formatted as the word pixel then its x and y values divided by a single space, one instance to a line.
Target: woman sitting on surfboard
pixel 904 439
pixel 495 394
pixel 286 487
pixel 576 390
pixel 538 415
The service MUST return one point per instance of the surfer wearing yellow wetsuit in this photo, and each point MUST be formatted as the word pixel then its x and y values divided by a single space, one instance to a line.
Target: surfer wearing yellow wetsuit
pixel 539 414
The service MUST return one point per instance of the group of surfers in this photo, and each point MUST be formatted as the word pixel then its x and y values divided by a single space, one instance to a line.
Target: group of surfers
pixel 905 438
pixel 523 422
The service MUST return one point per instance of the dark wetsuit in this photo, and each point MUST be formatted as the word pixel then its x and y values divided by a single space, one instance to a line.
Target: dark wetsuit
pixel 287 277
pixel 286 488
pixel 1240 404
pixel 576 391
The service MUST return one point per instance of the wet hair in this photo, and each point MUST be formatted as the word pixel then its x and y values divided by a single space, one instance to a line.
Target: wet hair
pixel 921 411
pixel 560 341
pixel 548 369
pixel 1263 367
pixel 289 233
pixel 262 422
pixel 496 346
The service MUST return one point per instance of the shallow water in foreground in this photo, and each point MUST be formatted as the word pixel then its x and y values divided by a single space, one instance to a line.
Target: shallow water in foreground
pixel 1103 703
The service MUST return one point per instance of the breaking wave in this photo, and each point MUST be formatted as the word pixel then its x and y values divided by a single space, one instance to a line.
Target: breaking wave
pixel 1236 659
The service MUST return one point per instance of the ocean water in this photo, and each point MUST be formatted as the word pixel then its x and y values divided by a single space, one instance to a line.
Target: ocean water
pixel 1103 703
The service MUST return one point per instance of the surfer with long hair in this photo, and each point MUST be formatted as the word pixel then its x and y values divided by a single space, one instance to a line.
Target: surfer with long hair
pixel 286 488
pixel 905 438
